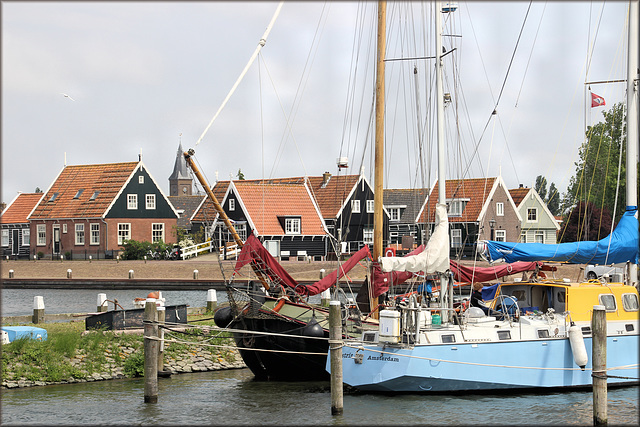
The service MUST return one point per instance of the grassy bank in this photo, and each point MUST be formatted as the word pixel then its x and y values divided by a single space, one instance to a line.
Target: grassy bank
pixel 70 355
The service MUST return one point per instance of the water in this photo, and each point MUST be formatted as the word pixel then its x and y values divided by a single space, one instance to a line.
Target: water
pixel 234 398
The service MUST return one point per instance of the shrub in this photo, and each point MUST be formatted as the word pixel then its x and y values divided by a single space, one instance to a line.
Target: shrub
pixel 134 365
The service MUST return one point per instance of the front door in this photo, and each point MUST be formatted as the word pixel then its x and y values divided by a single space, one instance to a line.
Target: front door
pixel 15 244
pixel 56 239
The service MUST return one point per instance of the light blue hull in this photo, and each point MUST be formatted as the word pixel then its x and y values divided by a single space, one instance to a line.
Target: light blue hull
pixel 483 366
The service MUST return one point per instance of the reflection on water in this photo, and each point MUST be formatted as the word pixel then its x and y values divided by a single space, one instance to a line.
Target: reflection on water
pixel 234 398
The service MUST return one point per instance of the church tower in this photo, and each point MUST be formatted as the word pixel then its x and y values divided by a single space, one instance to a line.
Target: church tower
pixel 180 183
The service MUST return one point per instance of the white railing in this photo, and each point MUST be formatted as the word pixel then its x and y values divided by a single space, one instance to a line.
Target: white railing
pixel 195 250
pixel 232 250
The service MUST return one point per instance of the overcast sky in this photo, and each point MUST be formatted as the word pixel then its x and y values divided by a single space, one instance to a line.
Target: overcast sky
pixel 143 77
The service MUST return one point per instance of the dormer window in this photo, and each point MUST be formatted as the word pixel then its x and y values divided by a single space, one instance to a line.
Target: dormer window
pixel 78 194
pixel 94 195
pixel 455 207
pixel 54 196
pixel 292 225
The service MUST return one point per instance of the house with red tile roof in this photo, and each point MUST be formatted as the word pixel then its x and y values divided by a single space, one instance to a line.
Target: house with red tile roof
pixel 538 223
pixel 90 210
pixel 479 208
pixel 16 234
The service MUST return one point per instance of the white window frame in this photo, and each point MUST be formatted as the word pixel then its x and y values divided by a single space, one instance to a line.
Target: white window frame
pixel 523 237
pixel 367 235
pixel 95 234
pixel 241 229
pixel 150 201
pixel 370 206
pixel 630 302
pixel 132 201
pixel 499 209
pixel 292 226
pixel 455 208
pixel 26 237
pixel 157 232
pixel 606 299
pixel 539 236
pixel 140 179
pixel 5 238
pixel 41 230
pixel 394 214
pixel 79 235
pixel 501 235
pixel 64 228
pixel 456 238
pixel 530 217
pixel 355 206
pixel 124 232
pixel 232 204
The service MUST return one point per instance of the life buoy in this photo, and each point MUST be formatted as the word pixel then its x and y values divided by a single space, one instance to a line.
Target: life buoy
pixel 390 251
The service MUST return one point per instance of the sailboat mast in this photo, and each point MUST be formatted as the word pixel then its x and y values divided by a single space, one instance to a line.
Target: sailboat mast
pixel 633 139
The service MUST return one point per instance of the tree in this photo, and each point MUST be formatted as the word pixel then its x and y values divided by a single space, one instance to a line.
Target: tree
pixel 38 190
pixel 553 199
pixel 541 186
pixel 240 175
pixel 586 222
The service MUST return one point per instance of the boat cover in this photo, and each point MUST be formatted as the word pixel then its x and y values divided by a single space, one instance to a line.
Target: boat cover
pixel 619 247
pixel 463 273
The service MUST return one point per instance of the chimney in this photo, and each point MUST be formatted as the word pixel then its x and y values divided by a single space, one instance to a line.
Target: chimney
pixel 521 185
pixel 325 179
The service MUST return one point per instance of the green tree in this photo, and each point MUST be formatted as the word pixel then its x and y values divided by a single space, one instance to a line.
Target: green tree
pixel 240 175
pixel 541 186
pixel 586 222
pixel 553 199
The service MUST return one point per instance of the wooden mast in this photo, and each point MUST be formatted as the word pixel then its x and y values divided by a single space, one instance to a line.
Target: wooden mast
pixel 378 222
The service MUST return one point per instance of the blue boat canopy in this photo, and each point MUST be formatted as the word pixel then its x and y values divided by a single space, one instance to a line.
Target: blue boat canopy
pixel 619 247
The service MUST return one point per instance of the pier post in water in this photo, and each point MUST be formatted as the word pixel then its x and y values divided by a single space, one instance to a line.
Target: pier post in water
pixel 161 319
pixel 150 351
pixel 212 301
pixel 102 303
pixel 335 352
pixel 38 310
pixel 599 363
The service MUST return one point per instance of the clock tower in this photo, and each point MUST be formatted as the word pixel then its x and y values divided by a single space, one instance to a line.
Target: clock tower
pixel 180 183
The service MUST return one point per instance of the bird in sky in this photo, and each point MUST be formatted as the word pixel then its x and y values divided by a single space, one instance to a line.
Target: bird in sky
pixel 67 96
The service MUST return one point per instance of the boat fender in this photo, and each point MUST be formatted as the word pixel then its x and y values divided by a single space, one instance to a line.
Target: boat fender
pixel 223 317
pixel 390 251
pixel 577 346
pixel 279 304
pixel 313 328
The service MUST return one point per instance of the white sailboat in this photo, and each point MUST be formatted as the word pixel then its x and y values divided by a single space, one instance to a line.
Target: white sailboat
pixel 538 334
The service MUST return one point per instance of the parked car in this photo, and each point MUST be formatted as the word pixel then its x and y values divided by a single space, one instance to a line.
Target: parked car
pixel 596 271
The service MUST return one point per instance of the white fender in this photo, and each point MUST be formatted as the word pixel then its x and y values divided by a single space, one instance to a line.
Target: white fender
pixel 577 346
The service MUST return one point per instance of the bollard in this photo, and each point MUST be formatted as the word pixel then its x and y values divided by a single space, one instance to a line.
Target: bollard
pixel 10 274
pixel 599 364
pixel 150 351
pixel 69 273
pixel 117 259
pixel 89 259
pixel 35 257
pixel 61 258
pixel 212 300
pixel 103 305
pixel 335 350
pixel 145 259
pixel 161 317
pixel 130 274
pixel 195 274
pixel 38 310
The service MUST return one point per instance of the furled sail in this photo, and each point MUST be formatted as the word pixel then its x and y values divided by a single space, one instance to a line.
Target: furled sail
pixel 619 247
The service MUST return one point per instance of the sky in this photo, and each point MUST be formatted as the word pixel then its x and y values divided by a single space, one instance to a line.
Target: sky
pixel 144 77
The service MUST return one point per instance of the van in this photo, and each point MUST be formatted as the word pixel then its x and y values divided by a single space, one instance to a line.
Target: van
pixel 611 273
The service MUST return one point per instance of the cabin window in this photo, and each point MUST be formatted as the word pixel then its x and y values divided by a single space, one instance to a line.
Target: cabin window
pixel 539 236
pixel 292 225
pixel 456 238
pixel 79 234
pixel 95 234
pixel 609 301
pixel 232 204
pixel 586 330
pixel 504 335
pixel 132 201
pixel 26 237
pixel 501 235
pixel 532 214
pixel 367 236
pixel 448 338
pixel 5 237
pixel 42 234
pixel 157 232
pixel 64 228
pixel 519 295
pixel 150 201
pixel 630 302
pixel 78 194
pixel 124 233
pixel 499 209
pixel 543 333
pixel 141 179
pixel 628 327
pixel 355 206
pixel 370 206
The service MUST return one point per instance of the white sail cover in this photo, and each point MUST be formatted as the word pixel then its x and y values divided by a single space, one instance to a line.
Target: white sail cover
pixel 434 258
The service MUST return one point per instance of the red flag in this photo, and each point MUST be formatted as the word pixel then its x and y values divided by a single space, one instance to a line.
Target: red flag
pixel 596 100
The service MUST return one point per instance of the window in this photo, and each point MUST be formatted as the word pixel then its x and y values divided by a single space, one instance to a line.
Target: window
pixel 532 214
pixel 448 338
pixel 132 201
pixel 157 232
pixel 609 301
pixel 630 302
pixel 42 234
pixel 124 233
pixel 232 204
pixel 95 234
pixel 504 335
pixel 539 236
pixel 64 228
pixel 395 214
pixel 94 195
pixel 355 206
pixel 499 209
pixel 370 206
pixel 367 235
pixel 26 237
pixel 292 225
pixel 543 333
pixel 53 198
pixel 456 238
pixel 241 229
pixel 79 234
pixel 141 179
pixel 150 200
pixel 455 207
pixel 5 237
pixel 78 194
pixel 501 235
pixel 523 237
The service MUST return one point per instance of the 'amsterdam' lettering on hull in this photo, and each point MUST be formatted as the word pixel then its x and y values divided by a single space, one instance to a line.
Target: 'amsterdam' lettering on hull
pixel 384 358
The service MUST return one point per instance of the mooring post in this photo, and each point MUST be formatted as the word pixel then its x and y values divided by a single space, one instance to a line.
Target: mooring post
pixel 161 318
pixel 130 274
pixel 335 349
pixel 38 309
pixel 69 273
pixel 195 274
pixel 212 301
pixel 10 274
pixel 599 363
pixel 103 305
pixel 150 351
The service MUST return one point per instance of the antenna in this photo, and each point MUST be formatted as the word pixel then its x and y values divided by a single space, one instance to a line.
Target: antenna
pixel 65 159
pixel 140 155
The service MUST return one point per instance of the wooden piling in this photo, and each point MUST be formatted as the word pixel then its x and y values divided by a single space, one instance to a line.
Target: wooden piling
pixel 150 351
pixel 599 363
pixel 335 350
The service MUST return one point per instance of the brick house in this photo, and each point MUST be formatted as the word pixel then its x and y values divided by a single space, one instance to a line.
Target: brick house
pixel 90 210
pixel 16 234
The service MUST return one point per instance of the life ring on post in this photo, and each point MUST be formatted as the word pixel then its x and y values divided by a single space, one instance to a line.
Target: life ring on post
pixel 390 251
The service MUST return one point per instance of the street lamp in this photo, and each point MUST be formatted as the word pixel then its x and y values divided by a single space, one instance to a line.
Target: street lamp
pixel 492 224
